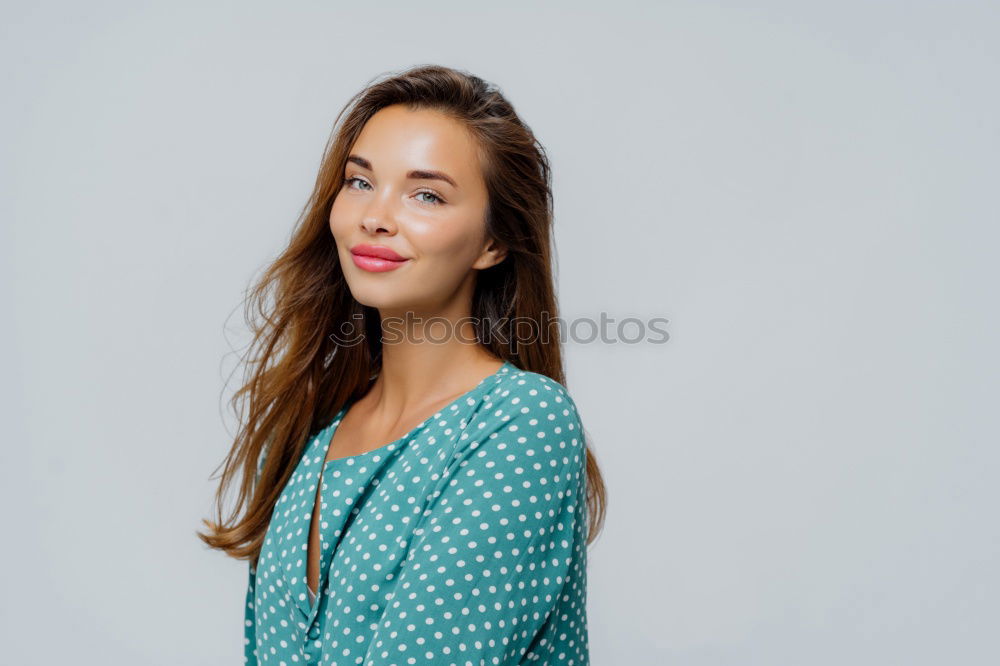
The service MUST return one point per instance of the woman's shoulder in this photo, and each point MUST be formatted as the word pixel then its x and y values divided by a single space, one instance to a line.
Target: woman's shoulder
pixel 533 389
pixel 531 407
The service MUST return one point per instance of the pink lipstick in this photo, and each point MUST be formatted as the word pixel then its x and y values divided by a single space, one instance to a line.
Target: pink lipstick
pixel 376 258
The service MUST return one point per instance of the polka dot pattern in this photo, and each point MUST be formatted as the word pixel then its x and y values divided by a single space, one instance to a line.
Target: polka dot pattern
pixel 463 542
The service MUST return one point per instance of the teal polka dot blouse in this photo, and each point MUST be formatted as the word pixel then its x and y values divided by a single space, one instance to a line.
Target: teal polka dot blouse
pixel 463 542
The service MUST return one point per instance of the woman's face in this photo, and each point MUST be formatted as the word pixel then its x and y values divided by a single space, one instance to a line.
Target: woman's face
pixel 413 184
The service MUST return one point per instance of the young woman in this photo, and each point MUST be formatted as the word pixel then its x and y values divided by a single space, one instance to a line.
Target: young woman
pixel 415 484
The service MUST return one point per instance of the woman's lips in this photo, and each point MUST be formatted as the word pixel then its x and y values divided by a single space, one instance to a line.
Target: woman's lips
pixel 375 264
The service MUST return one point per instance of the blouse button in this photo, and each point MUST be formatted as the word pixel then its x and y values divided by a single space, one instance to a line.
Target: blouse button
pixel 314 632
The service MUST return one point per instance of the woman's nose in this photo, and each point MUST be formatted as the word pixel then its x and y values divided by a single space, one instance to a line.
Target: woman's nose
pixel 379 214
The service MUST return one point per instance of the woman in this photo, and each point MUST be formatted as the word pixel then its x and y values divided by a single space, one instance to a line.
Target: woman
pixel 415 484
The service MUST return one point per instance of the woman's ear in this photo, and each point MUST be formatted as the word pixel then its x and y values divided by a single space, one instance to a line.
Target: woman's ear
pixel 492 255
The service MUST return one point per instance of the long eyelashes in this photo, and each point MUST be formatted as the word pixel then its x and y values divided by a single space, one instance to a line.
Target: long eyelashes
pixel 437 197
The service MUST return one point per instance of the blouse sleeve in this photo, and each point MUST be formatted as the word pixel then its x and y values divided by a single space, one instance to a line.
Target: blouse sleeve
pixel 249 622
pixel 249 616
pixel 494 550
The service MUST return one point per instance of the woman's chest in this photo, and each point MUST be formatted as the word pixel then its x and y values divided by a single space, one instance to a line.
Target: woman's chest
pixel 365 509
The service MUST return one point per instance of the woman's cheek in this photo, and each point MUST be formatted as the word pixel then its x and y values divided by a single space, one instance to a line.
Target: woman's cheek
pixel 441 238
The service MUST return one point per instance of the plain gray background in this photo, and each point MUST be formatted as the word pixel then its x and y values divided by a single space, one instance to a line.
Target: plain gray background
pixel 806 473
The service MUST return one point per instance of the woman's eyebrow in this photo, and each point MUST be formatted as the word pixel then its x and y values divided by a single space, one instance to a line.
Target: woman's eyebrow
pixel 416 174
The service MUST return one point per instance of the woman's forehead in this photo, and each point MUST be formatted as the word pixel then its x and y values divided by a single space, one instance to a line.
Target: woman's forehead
pixel 400 140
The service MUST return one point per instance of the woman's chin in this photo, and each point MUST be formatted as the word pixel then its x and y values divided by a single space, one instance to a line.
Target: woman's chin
pixel 380 297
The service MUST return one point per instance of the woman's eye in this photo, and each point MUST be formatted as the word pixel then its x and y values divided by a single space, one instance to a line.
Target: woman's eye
pixel 438 200
pixel 348 181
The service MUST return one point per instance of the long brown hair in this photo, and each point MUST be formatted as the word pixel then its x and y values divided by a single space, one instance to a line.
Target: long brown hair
pixel 298 376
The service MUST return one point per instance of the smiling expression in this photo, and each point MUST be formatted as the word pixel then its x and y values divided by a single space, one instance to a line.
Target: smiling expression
pixel 413 192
